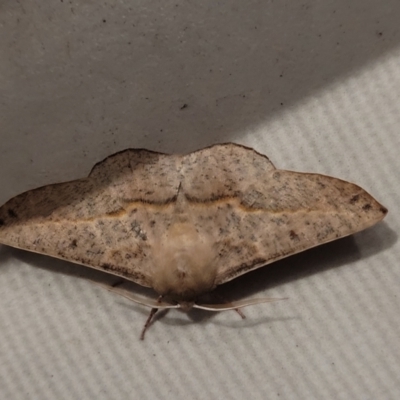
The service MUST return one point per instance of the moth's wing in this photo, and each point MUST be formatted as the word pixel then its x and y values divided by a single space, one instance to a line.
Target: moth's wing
pixel 258 214
pixel 223 170
pixel 103 221
pixel 255 213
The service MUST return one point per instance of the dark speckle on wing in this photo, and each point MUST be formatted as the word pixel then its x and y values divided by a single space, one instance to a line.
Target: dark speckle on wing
pixel 12 213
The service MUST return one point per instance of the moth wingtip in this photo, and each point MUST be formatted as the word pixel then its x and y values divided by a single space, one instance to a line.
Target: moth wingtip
pixel 383 210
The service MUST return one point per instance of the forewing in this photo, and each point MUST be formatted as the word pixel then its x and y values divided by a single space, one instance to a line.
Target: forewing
pixel 254 213
pixel 258 214
pixel 107 221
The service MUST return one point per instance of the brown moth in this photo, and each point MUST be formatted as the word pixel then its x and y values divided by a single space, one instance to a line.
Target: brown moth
pixel 184 224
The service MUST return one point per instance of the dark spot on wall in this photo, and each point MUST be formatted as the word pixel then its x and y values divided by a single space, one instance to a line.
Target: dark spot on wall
pixel 184 106
pixel 12 213
pixel 354 199
pixel 73 244
pixel 367 207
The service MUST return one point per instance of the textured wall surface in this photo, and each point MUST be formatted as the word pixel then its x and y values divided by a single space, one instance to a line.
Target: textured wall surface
pixel 313 85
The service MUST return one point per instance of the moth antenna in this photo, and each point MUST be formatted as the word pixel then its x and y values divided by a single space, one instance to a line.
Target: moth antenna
pixel 153 303
pixel 236 304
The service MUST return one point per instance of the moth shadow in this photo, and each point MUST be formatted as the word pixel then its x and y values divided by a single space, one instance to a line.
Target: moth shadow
pixel 6 253
pixel 203 317
pixel 335 254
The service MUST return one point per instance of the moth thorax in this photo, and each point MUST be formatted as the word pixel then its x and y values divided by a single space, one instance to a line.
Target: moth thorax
pixel 186 264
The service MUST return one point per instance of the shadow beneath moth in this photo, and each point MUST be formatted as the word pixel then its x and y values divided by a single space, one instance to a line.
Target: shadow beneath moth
pixel 184 224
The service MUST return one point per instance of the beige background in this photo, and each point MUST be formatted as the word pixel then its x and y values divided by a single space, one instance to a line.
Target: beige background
pixel 314 85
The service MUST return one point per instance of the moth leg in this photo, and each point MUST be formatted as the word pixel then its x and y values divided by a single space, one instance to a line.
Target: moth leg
pixel 148 322
pixel 149 319
pixel 240 312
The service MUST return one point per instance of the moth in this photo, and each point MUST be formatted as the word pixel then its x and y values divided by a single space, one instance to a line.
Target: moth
pixel 184 224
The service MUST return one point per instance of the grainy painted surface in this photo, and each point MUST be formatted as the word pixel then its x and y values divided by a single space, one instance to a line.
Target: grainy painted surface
pixel 183 224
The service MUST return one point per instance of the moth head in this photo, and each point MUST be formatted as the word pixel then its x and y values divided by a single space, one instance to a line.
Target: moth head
pixel 185 264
